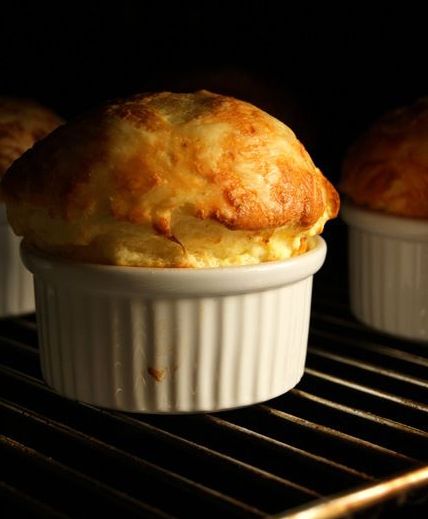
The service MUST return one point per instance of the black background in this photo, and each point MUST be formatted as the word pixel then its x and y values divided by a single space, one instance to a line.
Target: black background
pixel 326 70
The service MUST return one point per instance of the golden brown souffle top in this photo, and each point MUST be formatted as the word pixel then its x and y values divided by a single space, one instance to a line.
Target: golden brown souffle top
pixel 170 180
pixel 387 168
pixel 22 123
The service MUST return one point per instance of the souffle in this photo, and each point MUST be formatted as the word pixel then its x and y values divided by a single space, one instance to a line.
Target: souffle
pixel 22 123
pixel 387 168
pixel 170 180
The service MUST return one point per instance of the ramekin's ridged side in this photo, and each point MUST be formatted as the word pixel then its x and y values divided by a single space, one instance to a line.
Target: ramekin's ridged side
pixel 388 283
pixel 16 283
pixel 173 355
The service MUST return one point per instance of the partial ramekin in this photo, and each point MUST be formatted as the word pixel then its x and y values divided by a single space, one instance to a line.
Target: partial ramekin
pixel 173 340
pixel 16 283
pixel 388 264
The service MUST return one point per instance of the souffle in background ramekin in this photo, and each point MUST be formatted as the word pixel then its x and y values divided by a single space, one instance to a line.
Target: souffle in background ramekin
pixel 22 123
pixel 385 180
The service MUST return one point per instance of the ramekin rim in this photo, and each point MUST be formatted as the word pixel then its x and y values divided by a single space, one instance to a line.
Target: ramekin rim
pixel 319 242
pixel 383 223
pixel 173 281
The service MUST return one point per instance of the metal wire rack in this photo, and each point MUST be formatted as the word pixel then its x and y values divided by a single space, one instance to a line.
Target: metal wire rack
pixel 351 438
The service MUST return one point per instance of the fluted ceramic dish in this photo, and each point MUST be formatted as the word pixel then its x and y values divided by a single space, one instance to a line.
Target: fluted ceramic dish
pixel 16 283
pixel 388 264
pixel 173 340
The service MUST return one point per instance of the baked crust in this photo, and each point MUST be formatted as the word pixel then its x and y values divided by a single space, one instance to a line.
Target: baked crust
pixel 387 168
pixel 22 123
pixel 152 161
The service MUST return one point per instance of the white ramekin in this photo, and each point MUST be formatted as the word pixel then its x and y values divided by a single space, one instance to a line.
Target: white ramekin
pixel 388 264
pixel 173 340
pixel 16 283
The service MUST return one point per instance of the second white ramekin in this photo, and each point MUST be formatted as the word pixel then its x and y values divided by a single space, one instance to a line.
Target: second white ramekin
pixel 16 283
pixel 173 340
pixel 388 265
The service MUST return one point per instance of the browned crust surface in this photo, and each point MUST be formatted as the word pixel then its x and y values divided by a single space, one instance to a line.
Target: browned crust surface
pixel 143 159
pixel 22 123
pixel 387 168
